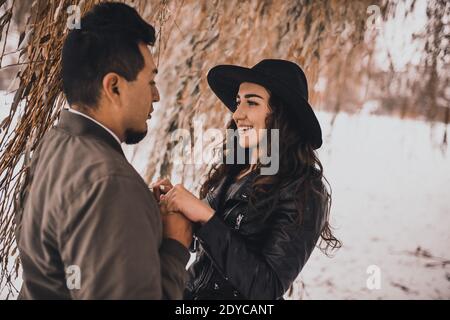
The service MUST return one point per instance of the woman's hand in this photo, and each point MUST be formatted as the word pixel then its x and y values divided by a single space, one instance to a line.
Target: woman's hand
pixel 181 200
pixel 162 186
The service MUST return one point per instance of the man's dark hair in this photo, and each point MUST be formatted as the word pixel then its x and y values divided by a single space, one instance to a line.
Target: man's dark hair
pixel 107 42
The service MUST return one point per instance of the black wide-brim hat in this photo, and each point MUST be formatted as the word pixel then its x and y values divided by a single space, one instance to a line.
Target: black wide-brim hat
pixel 281 77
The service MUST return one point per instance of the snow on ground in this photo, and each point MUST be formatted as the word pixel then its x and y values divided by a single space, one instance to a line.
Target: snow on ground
pixel 391 209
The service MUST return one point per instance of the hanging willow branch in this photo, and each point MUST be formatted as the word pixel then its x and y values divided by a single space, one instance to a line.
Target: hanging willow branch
pixel 35 106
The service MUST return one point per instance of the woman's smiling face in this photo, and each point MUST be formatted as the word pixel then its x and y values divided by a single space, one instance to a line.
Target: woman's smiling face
pixel 252 108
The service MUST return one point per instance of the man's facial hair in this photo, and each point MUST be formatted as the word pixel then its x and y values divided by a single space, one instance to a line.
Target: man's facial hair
pixel 133 137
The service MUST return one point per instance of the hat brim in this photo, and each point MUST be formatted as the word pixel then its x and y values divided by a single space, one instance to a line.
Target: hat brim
pixel 224 80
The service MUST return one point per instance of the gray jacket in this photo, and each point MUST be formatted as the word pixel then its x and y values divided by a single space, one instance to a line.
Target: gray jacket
pixel 88 226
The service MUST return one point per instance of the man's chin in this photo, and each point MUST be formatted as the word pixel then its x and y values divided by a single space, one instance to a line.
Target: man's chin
pixel 133 136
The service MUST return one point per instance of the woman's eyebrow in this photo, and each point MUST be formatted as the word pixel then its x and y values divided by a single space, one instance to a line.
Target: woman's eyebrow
pixel 250 95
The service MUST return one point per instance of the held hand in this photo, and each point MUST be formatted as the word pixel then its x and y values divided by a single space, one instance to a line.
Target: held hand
pixel 162 186
pixel 177 227
pixel 179 199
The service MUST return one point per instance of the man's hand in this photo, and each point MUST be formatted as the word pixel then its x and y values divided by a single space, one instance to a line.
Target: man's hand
pixel 176 227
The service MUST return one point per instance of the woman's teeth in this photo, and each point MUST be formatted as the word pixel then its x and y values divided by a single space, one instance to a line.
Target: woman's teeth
pixel 244 129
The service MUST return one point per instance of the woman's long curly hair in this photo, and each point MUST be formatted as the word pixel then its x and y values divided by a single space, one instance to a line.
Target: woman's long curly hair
pixel 299 165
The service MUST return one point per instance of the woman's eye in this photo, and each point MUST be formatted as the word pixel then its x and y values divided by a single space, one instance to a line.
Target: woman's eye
pixel 252 103
pixel 152 83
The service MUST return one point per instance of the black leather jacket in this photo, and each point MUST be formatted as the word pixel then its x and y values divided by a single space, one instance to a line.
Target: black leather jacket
pixel 241 257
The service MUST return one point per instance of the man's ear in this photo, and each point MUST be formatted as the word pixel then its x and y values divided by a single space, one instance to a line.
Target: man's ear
pixel 111 86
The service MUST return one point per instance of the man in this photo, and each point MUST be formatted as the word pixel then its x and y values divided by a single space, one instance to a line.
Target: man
pixel 90 228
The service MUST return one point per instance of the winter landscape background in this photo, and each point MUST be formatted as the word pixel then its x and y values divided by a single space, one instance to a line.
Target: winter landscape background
pixel 379 79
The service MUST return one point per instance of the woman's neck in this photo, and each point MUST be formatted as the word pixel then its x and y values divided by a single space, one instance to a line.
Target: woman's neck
pixel 254 156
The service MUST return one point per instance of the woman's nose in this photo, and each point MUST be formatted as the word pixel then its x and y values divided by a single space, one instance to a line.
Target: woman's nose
pixel 239 113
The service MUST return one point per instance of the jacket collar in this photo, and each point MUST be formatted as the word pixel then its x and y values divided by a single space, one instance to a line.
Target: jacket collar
pixel 78 125
pixel 240 190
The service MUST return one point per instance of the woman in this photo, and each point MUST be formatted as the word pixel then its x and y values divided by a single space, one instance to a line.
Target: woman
pixel 257 231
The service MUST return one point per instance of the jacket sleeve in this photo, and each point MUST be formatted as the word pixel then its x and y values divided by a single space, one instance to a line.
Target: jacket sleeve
pixel 174 258
pixel 112 233
pixel 268 272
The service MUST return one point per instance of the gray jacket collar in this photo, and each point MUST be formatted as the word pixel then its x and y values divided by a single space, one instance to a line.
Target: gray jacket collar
pixel 78 125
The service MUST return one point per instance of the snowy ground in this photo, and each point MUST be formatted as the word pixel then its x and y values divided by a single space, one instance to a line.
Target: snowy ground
pixel 391 209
